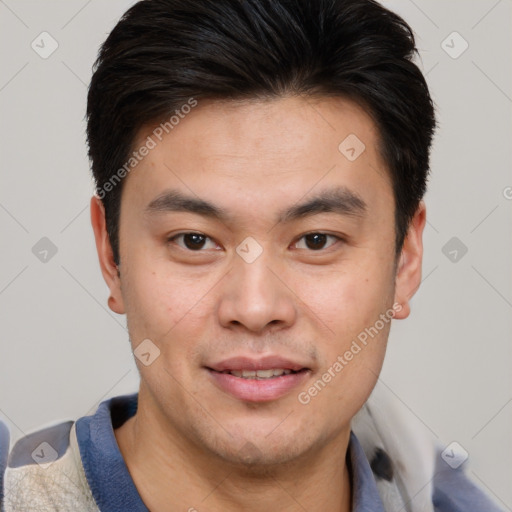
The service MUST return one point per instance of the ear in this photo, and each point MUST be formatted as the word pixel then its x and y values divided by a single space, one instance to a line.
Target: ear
pixel 408 274
pixel 109 269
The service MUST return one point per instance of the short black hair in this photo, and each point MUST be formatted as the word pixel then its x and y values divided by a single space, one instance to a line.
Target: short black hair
pixel 163 53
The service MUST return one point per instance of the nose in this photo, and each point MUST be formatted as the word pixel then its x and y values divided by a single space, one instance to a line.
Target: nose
pixel 256 297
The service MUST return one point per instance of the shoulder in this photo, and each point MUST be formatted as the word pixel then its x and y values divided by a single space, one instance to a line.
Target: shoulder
pixel 43 471
pixel 453 490
pixel 412 469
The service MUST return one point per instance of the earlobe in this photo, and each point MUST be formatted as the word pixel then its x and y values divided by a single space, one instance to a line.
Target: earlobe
pixel 108 266
pixel 408 274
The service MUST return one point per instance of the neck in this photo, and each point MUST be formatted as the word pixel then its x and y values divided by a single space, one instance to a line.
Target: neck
pixel 172 474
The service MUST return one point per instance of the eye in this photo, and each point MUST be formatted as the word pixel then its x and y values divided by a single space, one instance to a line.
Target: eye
pixel 192 241
pixel 316 241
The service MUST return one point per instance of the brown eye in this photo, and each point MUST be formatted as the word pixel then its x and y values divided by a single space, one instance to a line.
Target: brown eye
pixel 191 241
pixel 316 241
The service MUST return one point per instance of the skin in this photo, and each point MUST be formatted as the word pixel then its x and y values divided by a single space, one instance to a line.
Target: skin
pixel 192 446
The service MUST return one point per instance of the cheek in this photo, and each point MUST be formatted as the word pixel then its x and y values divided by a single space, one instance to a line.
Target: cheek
pixel 165 306
pixel 348 374
pixel 153 303
pixel 346 300
pixel 352 349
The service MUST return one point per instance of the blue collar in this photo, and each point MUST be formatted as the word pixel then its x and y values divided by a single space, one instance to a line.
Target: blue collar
pixel 113 488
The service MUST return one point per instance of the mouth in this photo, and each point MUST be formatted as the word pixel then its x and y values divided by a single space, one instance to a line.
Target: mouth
pixel 258 380
pixel 259 374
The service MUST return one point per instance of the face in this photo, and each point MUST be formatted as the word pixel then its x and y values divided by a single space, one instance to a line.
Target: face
pixel 258 257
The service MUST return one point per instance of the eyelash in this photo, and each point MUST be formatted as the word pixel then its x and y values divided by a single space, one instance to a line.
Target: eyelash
pixel 337 238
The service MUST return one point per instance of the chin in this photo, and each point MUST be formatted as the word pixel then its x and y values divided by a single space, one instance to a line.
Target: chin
pixel 260 459
pixel 262 450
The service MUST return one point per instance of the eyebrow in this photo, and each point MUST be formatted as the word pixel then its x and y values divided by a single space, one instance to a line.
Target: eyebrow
pixel 337 200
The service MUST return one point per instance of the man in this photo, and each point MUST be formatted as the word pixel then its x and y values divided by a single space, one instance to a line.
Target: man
pixel 260 167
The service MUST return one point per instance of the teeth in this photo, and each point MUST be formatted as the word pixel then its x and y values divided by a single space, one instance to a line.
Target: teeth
pixel 260 374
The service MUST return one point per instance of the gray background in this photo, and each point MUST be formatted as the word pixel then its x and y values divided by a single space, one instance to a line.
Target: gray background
pixel 63 350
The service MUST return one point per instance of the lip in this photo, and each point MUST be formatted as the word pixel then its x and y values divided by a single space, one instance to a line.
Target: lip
pixel 254 390
pixel 264 363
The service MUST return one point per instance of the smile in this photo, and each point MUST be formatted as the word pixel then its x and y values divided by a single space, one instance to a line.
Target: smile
pixel 259 374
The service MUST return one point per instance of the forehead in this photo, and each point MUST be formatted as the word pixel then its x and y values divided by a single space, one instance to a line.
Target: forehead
pixel 261 151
